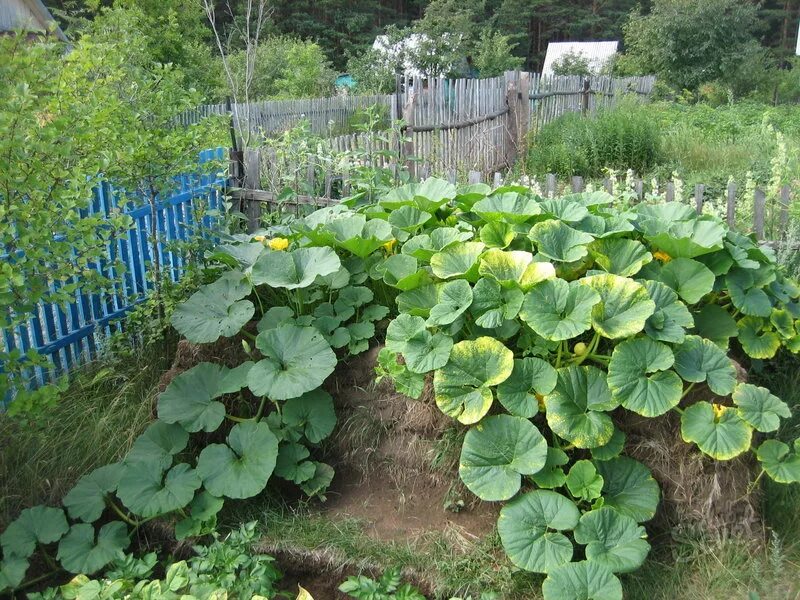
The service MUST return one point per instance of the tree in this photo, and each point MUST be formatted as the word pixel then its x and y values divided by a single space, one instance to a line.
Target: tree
pixel 494 54
pixel 285 67
pixel 103 111
pixel 690 42
pixel 572 63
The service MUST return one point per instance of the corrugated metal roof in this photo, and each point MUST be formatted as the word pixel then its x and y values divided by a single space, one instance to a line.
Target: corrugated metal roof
pixel 597 53
pixel 31 15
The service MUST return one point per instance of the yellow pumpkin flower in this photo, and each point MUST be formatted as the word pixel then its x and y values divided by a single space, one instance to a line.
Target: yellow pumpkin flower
pixel 260 238
pixel 662 256
pixel 279 243
pixel 388 246
pixel 719 410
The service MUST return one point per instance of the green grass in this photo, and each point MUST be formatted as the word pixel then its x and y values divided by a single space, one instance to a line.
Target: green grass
pixel 94 423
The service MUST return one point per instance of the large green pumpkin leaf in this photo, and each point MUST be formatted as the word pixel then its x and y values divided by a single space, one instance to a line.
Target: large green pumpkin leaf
pixel 619 256
pixel 12 572
pixel 498 234
pixel 189 398
pixel 358 235
pixel 718 431
pixel 504 266
pixel 686 238
pixel 458 261
pixel 558 310
pixel 497 452
pixel 715 323
pixel 575 407
pixel 409 218
pixel 292 465
pixel 147 492
pixel 424 246
pixel 756 340
pixel 690 279
pixel 611 449
pixel 492 304
pixel 312 414
pixel 671 318
pixel 699 360
pixel 584 580
pixel 316 486
pixel 629 487
pixel 419 301
pixel 559 242
pixel 87 500
pixel 552 474
pixel 564 209
pixel 583 482
pixel 530 378
pixel 639 378
pixel 421 350
pixel 780 463
pixel 401 271
pixel 759 408
pixel 746 293
pixel 509 207
pixel 241 468
pixel 296 360
pixel 454 298
pixel 80 552
pixel 33 526
pixel 158 444
pixel 202 518
pixel 624 305
pixel 612 539
pixel 529 529
pixel 462 385
pixel 296 269
pixel 215 310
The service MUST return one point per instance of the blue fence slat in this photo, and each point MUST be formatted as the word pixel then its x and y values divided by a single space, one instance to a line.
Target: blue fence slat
pixel 68 334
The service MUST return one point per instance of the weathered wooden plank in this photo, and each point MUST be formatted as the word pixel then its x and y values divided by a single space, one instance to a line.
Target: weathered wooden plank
pixel 699 189
pixel 759 204
pixel 731 204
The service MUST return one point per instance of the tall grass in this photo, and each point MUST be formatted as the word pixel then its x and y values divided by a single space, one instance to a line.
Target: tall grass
pixel 95 422
pixel 624 137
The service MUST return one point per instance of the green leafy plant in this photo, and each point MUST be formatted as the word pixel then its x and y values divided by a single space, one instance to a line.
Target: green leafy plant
pixel 225 567
pixel 388 586
pixel 564 311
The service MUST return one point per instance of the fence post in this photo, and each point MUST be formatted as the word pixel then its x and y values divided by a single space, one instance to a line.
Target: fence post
pixel 252 181
pixel 408 117
pixel 698 198
pixel 585 96
pixel 731 204
pixel 551 185
pixel 759 203
pixel 474 177
pixel 669 192
pixel 519 114
pixel 577 184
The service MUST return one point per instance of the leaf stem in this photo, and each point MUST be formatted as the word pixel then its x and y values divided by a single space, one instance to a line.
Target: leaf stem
pixel 687 390
pixel 752 486
pixel 121 514
pixel 236 419
pixel 39 579
pixel 260 411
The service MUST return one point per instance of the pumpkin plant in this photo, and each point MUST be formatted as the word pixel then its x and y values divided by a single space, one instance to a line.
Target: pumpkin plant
pixel 538 322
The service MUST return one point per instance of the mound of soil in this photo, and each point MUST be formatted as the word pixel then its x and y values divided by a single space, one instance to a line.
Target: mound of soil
pixel 698 493
pixel 385 444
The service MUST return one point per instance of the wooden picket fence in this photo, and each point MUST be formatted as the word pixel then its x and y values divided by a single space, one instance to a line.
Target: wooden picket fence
pixel 770 215
pixel 449 124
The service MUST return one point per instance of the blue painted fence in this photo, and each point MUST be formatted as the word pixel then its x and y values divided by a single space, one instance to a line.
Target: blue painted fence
pixel 73 333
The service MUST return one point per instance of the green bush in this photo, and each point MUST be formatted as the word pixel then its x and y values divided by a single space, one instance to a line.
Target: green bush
pixel 624 137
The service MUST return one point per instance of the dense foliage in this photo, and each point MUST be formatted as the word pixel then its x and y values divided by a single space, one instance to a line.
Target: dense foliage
pixel 624 137
pixel 101 112
pixel 539 320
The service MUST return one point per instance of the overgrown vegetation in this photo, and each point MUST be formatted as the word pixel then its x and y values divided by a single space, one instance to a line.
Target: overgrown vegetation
pixel 617 309
pixel 625 137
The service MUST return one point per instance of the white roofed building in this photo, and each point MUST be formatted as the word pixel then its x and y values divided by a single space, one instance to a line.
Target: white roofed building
pixel 597 54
